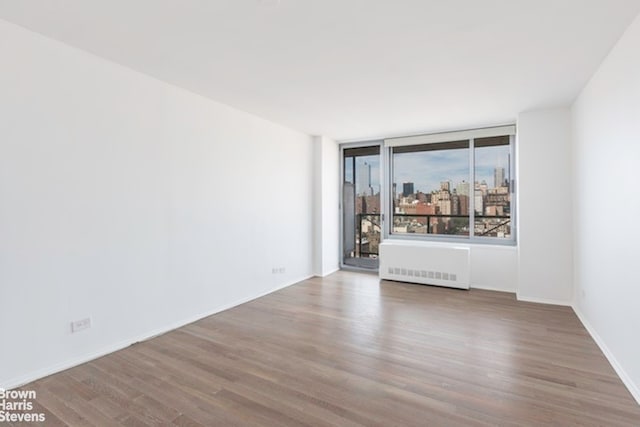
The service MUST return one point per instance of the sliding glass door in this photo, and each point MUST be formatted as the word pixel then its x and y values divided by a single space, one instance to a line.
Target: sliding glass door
pixel 361 214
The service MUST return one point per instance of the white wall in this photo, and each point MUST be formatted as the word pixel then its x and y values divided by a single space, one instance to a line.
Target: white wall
pixel 494 267
pixel 545 261
pixel 606 128
pixel 326 208
pixel 133 202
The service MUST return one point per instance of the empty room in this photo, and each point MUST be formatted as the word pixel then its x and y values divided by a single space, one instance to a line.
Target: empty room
pixel 319 213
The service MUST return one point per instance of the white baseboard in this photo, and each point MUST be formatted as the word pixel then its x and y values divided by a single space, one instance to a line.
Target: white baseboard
pixel 328 272
pixel 44 372
pixel 626 380
pixel 543 300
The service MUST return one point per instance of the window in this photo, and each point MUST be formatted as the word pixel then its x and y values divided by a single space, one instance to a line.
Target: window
pixel 492 184
pixel 456 185
pixel 429 193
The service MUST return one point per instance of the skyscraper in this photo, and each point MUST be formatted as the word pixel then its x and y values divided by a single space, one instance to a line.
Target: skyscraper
pixel 463 188
pixel 363 180
pixel 498 177
pixel 478 201
pixel 407 188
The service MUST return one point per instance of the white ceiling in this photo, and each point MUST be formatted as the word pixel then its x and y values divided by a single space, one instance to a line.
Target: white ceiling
pixel 351 69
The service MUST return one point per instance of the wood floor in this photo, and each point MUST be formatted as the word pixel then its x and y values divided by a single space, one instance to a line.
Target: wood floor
pixel 350 351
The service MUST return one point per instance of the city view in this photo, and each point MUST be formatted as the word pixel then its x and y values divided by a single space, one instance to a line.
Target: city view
pixel 431 194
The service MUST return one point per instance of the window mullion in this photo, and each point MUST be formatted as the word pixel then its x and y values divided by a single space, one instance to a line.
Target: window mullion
pixel 472 189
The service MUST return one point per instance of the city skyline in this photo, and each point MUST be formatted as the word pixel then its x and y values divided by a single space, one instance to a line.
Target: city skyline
pixel 426 170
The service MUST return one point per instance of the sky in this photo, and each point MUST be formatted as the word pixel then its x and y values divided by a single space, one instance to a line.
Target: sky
pixel 361 164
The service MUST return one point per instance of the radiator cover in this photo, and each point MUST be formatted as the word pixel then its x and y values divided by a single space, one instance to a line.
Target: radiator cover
pixel 426 263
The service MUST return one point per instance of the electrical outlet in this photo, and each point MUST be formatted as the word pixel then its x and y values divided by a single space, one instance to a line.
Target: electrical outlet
pixel 79 325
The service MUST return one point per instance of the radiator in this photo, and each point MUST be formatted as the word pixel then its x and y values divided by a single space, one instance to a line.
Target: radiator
pixel 426 263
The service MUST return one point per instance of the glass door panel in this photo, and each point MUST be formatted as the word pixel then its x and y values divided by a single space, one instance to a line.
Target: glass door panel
pixel 361 221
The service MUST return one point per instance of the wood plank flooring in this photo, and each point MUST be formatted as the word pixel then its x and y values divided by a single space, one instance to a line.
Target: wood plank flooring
pixel 348 350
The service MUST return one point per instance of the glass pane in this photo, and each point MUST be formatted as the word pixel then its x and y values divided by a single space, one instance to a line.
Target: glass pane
pixel 368 205
pixel 430 189
pixel 492 198
pixel 348 170
pixel 361 219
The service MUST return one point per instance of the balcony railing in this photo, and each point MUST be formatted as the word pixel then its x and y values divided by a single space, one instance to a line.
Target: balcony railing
pixel 364 244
